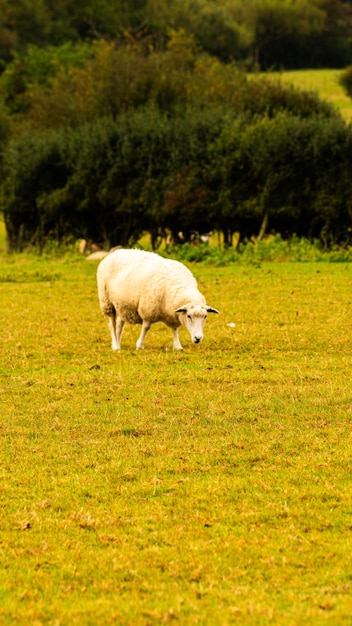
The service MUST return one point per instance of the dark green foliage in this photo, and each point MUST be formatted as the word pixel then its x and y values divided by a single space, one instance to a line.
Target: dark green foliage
pixel 34 174
pixel 261 96
pixel 110 141
pixel 259 33
pixel 107 181
pixel 4 128
pixel 47 22
pixel 345 80
pixel 110 181
pixel 37 67
pixel 300 171
pixel 216 31
pixel 302 34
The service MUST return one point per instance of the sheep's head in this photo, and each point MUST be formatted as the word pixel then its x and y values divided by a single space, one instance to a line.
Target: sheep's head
pixel 193 317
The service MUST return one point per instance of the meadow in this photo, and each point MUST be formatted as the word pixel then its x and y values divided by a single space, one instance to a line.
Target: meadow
pixel 324 82
pixel 211 486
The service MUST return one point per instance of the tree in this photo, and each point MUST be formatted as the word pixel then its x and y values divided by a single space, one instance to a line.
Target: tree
pixel 34 72
pixel 280 26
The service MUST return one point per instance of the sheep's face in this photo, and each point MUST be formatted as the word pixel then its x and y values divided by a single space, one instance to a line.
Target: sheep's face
pixel 193 318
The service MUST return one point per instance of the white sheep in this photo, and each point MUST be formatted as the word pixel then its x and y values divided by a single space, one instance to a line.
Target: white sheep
pixel 144 288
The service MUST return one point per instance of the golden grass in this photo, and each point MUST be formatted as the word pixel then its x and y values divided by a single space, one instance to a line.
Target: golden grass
pixel 207 487
pixel 324 82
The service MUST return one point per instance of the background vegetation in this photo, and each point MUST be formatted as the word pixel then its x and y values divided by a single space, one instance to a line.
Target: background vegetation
pixel 268 33
pixel 116 120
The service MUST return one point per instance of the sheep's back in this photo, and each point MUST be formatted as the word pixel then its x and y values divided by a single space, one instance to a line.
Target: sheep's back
pixel 144 282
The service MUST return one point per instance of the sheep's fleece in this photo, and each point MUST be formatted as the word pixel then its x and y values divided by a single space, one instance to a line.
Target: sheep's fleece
pixel 144 288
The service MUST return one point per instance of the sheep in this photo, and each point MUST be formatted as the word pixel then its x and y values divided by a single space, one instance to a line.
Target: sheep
pixel 141 287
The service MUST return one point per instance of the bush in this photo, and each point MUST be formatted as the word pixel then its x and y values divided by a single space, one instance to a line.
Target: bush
pixel 37 67
pixel 35 170
pixel 345 80
pixel 196 170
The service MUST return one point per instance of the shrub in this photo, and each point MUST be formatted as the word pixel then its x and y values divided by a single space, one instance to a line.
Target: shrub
pixel 345 80
pixel 35 170
pixel 196 170
pixel 37 67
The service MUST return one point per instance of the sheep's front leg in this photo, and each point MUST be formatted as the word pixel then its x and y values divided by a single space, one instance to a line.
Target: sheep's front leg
pixel 145 327
pixel 177 344
pixel 116 329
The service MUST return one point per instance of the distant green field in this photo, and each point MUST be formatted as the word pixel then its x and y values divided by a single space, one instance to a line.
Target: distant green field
pixel 324 82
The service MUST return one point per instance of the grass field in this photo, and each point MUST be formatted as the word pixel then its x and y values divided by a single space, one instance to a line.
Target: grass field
pixel 325 83
pixel 209 487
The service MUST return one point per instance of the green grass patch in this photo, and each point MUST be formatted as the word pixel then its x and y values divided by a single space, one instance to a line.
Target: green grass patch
pixel 325 82
pixel 272 248
pixel 211 486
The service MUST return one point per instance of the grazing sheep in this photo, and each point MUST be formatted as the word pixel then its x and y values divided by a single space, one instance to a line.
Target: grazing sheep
pixel 144 288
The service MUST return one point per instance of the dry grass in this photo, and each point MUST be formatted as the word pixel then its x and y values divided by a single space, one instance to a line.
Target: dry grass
pixel 208 487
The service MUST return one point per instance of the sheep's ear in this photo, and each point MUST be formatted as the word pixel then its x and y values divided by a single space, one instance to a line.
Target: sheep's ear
pixel 211 310
pixel 182 309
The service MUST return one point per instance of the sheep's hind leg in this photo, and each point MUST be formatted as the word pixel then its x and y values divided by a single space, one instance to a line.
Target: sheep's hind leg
pixel 177 343
pixel 116 329
pixel 145 327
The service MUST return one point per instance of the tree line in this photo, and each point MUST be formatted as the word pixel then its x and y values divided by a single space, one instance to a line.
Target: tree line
pixel 265 33
pixel 246 158
pixel 106 137
pixel 111 181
